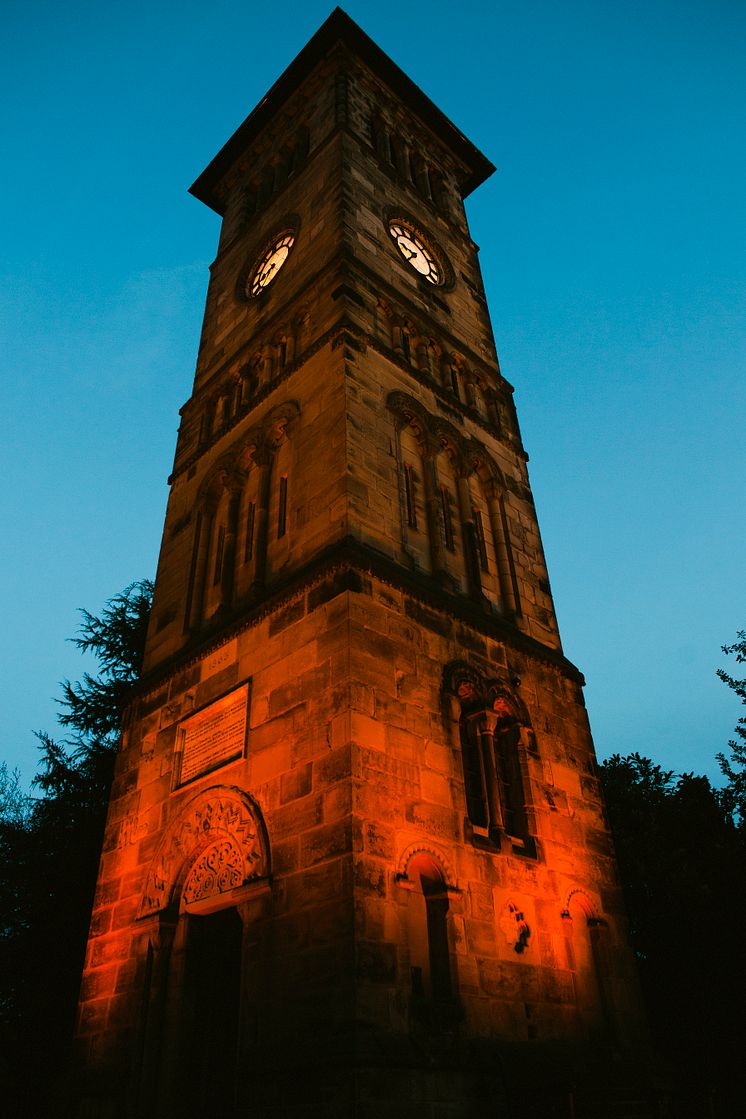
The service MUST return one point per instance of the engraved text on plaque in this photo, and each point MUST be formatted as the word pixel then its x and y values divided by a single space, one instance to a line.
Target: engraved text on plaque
pixel 213 736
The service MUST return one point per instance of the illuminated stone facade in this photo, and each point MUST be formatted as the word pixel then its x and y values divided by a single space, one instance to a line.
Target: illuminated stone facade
pixel 356 862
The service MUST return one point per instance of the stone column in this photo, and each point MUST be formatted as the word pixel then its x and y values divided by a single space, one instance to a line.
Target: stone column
pixel 484 724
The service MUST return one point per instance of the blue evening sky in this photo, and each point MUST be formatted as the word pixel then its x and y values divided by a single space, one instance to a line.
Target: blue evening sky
pixel 612 241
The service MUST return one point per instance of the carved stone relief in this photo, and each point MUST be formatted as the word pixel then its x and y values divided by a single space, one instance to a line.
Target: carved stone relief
pixel 216 843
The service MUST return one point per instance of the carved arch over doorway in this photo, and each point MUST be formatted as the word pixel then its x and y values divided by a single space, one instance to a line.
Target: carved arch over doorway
pixel 216 843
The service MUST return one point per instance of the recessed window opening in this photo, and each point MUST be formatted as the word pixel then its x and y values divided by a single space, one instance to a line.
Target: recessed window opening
pixel 409 495
pixel 481 542
pixel 282 508
pixel 219 549
pixel 429 950
pixel 248 552
pixel 445 502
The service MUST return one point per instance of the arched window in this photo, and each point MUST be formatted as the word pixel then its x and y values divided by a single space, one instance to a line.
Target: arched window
pixel 413 493
pixel 587 955
pixel 279 522
pixel 484 541
pixel 451 520
pixel 427 920
pixel 246 537
pixel 493 730
pixel 218 570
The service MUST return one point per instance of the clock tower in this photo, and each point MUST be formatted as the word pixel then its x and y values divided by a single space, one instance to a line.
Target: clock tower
pixel 356 860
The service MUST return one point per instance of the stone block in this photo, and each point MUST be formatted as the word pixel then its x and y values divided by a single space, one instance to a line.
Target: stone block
pixel 379 840
pixel 370 877
pixel 297 817
pixel 338 801
pixel 335 765
pixel 326 842
pixel 295 783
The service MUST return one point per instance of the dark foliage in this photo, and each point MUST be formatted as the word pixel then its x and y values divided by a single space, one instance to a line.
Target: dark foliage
pixel 734 768
pixel 681 863
pixel 49 850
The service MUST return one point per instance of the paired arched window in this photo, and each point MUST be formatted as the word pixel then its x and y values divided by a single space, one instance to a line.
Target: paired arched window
pixel 453 513
pixel 495 736
pixel 243 520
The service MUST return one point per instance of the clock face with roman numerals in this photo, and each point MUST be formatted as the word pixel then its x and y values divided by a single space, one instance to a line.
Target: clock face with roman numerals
pixel 416 252
pixel 270 262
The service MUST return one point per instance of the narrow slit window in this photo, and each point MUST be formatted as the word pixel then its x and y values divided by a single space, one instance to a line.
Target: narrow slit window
pixel 220 546
pixel 282 509
pixel 409 495
pixel 455 384
pixel 481 543
pixel 406 347
pixel 445 502
pixel 248 551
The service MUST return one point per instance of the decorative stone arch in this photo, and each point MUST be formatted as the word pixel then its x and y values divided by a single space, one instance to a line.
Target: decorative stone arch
pixel 217 843
pixel 462 680
pixel 450 439
pixel 425 877
pixel 581 898
pixel 409 411
pixel 500 694
pixel 246 456
pixel 278 420
pixel 431 851
pixel 479 461
pixel 215 481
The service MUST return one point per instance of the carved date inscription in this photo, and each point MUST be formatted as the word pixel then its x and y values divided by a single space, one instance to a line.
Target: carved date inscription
pixel 214 736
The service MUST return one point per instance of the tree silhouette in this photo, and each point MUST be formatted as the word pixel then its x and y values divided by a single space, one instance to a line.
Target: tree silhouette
pixel 50 845
pixel 681 862
pixel 734 768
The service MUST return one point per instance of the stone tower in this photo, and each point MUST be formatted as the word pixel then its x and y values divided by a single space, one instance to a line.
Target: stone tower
pixel 356 862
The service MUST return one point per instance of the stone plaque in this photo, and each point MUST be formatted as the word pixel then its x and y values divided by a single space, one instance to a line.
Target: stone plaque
pixel 213 736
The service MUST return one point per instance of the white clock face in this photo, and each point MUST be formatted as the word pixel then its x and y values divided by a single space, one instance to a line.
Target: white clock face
pixel 270 262
pixel 415 252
